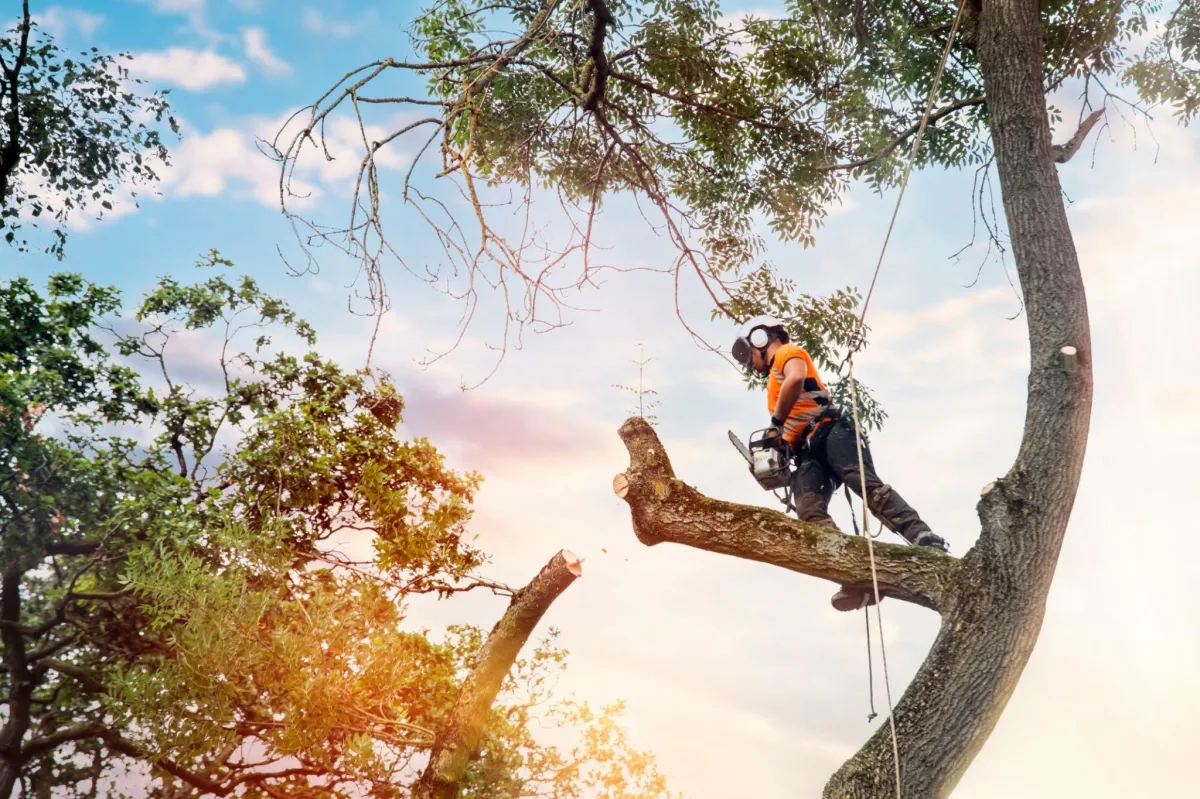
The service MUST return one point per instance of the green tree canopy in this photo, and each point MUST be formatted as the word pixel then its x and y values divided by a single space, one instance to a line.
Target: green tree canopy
pixel 174 600
pixel 716 123
pixel 74 133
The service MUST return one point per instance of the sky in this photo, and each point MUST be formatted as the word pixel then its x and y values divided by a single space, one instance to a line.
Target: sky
pixel 740 677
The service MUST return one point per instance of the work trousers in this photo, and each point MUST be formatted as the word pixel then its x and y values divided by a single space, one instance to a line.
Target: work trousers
pixel 813 484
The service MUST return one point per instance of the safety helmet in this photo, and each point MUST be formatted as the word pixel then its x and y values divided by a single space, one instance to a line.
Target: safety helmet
pixel 759 332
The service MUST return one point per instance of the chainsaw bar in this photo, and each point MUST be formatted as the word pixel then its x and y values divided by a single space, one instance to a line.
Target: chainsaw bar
pixel 737 442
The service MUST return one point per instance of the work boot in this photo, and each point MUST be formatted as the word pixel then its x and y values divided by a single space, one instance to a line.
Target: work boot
pixel 899 517
pixel 847 598
pixel 928 539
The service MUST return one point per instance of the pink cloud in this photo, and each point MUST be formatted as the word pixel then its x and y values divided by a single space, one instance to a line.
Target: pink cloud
pixel 490 432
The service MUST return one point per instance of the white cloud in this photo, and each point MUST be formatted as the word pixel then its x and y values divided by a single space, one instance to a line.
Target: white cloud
pixel 739 43
pixel 222 161
pixel 255 42
pixel 194 70
pixel 177 6
pixel 194 10
pixel 316 22
pixel 59 21
pixel 229 161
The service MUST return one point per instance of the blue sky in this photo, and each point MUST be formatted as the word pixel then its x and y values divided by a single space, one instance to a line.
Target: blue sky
pixel 713 654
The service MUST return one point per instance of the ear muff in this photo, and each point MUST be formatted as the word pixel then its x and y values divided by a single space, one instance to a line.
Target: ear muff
pixel 759 338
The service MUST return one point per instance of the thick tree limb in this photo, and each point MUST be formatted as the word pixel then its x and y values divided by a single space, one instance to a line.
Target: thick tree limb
pixel 596 70
pixel 1062 153
pixel 666 509
pixel 459 738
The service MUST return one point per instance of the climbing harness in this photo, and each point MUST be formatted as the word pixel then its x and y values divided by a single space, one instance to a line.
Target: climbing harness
pixel 849 361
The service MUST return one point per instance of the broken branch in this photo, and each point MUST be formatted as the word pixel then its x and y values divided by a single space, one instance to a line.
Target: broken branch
pixel 664 508
pixel 1062 153
pixel 458 740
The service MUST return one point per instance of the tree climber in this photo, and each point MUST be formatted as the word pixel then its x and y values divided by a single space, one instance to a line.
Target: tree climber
pixel 823 440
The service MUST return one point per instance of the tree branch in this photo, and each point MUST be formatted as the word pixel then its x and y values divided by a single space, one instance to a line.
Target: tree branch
pixel 125 747
pixel 21 679
pixel 50 741
pixel 72 547
pixel 10 156
pixel 901 137
pixel 596 70
pixel 1062 153
pixel 85 678
pixel 664 508
pixel 459 738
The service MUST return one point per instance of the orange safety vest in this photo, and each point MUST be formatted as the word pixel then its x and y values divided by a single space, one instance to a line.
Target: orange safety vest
pixel 811 402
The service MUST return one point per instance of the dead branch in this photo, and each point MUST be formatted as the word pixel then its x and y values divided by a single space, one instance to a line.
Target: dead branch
pixel 665 509
pixel 459 738
pixel 1062 153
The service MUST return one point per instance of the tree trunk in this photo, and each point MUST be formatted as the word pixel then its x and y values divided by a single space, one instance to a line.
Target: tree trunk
pixel 458 740
pixel 20 677
pixel 992 602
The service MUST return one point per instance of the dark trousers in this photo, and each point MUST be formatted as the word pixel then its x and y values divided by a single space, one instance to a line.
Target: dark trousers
pixel 834 461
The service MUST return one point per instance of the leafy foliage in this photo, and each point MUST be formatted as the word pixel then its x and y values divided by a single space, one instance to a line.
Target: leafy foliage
pixel 176 591
pixel 1169 70
pixel 723 126
pixel 73 131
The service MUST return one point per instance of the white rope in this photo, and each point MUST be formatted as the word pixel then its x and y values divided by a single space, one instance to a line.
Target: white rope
pixel 862 475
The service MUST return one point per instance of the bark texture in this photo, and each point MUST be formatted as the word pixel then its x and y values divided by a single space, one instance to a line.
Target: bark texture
pixel 666 509
pixel 993 601
pixel 21 677
pixel 458 740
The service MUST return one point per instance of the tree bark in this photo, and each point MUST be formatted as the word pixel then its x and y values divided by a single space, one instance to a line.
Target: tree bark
pixel 21 680
pixel 993 601
pixel 459 738
pixel 667 510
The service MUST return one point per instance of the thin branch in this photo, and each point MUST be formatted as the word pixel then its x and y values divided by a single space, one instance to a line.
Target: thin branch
pixel 904 135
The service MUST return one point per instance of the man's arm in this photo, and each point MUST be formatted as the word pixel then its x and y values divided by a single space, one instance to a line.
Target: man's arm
pixel 794 372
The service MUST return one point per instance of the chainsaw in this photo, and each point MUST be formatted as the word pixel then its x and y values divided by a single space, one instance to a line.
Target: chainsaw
pixel 770 459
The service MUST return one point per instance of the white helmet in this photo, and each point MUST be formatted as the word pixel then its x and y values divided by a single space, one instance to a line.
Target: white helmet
pixel 758 335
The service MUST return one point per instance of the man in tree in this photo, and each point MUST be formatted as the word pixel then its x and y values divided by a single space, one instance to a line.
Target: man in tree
pixel 824 442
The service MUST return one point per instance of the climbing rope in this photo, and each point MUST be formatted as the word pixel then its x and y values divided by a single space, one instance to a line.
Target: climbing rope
pixel 866 618
pixel 857 340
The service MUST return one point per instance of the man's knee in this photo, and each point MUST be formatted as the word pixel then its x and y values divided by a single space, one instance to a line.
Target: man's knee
pixel 813 511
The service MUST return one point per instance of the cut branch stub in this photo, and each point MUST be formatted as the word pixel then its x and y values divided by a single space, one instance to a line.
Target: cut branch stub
pixel 666 509
pixel 1062 153
pixel 460 736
